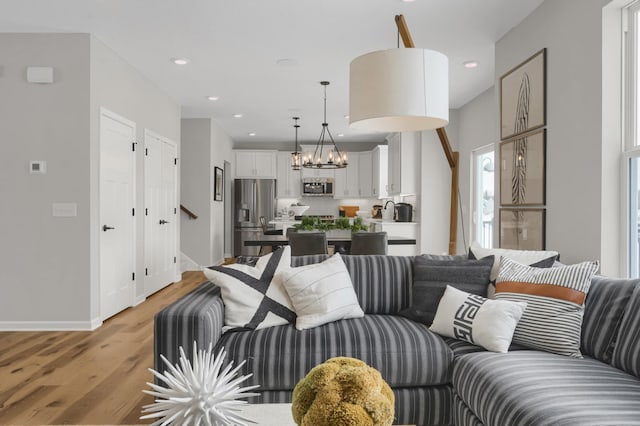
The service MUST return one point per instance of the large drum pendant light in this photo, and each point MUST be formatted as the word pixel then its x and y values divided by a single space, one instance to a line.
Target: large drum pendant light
pixel 399 90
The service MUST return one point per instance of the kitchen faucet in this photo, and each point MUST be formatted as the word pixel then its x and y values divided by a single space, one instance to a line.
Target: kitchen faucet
pixel 394 207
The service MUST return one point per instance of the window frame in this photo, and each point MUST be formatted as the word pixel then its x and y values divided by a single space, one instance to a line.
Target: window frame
pixel 473 225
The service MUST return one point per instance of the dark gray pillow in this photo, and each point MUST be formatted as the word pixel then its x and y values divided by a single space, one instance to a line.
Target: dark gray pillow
pixel 431 277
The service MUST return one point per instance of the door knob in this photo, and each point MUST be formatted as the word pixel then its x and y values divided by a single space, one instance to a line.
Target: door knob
pixel 162 221
pixel 105 228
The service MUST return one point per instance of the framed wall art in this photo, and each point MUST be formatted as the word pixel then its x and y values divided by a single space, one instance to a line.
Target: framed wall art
pixel 522 97
pixel 218 184
pixel 523 170
pixel 522 229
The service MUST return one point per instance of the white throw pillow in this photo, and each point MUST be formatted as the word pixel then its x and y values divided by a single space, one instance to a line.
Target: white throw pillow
pixel 474 319
pixel 252 297
pixel 321 292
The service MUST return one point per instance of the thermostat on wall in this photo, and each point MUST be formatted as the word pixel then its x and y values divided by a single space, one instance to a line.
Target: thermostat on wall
pixel 38 167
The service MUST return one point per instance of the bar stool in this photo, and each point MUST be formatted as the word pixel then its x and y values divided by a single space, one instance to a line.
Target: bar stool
pixel 303 243
pixel 369 243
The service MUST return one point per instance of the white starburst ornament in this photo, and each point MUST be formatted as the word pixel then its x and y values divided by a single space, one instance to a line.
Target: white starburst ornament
pixel 199 395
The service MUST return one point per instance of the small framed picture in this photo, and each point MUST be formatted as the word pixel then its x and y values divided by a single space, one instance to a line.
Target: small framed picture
pixel 522 229
pixel 522 97
pixel 218 186
pixel 523 170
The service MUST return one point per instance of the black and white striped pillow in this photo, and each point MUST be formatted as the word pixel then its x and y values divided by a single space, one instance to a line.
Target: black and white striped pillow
pixel 555 299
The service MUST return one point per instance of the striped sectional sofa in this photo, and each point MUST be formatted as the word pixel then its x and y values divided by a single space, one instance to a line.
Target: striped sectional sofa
pixel 436 381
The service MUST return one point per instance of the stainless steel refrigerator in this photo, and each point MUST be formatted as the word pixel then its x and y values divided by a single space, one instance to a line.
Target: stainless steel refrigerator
pixel 252 198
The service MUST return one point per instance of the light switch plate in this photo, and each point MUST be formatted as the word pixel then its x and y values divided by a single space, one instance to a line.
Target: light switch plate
pixel 42 75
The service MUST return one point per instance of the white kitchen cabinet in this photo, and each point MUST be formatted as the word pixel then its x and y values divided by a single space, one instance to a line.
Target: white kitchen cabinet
pixel 404 160
pixel 380 170
pixel 401 229
pixel 317 173
pixel 346 180
pixel 259 164
pixel 288 184
pixel 365 174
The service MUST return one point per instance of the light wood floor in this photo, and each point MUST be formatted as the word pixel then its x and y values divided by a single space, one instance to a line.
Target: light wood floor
pixel 84 377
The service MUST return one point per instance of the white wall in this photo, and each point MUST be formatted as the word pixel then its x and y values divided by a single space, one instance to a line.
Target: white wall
pixel 477 124
pixel 118 87
pixel 204 146
pixel 435 194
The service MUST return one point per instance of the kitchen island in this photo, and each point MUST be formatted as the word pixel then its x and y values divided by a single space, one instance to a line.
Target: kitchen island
pixel 282 240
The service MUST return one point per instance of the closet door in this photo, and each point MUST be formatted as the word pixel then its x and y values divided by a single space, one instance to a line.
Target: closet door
pixel 117 220
pixel 161 212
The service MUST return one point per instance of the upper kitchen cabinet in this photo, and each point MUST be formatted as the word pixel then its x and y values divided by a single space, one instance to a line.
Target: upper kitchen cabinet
pixel 404 157
pixel 347 179
pixel 312 172
pixel 260 164
pixel 317 173
pixel 365 174
pixel 380 170
pixel 288 182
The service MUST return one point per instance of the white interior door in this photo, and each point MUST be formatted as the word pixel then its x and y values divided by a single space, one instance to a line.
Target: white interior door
pixel 117 221
pixel 161 209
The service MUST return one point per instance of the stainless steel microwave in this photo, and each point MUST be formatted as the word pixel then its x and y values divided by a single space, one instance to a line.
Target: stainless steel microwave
pixel 317 187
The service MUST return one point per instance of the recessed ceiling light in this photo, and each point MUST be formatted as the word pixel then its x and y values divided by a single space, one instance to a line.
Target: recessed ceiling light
pixel 470 64
pixel 237 115
pixel 346 117
pixel 407 1
pixel 180 61
pixel 252 133
pixel 340 135
pixel 213 98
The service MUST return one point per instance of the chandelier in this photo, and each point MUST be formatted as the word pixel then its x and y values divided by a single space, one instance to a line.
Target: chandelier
pixel 335 159
pixel 295 155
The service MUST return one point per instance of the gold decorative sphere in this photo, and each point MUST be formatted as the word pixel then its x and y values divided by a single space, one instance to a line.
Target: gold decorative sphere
pixel 343 392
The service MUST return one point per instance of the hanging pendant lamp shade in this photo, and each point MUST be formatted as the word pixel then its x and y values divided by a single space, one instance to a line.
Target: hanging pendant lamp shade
pixel 399 90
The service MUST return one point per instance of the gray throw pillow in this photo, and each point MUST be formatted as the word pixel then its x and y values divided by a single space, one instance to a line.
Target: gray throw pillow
pixel 431 277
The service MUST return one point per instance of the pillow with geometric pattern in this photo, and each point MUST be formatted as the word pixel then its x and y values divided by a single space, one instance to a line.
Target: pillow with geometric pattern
pixel 477 320
pixel 555 298
pixel 252 298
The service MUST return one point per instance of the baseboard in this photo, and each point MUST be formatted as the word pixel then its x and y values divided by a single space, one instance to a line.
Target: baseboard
pixel 188 264
pixel 50 325
pixel 139 300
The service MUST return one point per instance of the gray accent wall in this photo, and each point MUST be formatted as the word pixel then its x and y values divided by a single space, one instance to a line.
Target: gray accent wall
pixel 205 146
pixel 45 260
pixel 583 126
pixel 49 277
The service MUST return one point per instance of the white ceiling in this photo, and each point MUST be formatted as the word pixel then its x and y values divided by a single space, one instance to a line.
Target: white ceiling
pixel 234 47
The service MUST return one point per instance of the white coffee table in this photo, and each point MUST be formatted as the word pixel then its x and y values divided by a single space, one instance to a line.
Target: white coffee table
pixel 269 414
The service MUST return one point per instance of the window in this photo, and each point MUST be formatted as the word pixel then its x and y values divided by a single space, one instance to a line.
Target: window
pixel 632 137
pixel 482 168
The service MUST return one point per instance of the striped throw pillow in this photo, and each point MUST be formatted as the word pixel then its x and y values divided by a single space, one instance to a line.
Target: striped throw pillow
pixel 555 299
